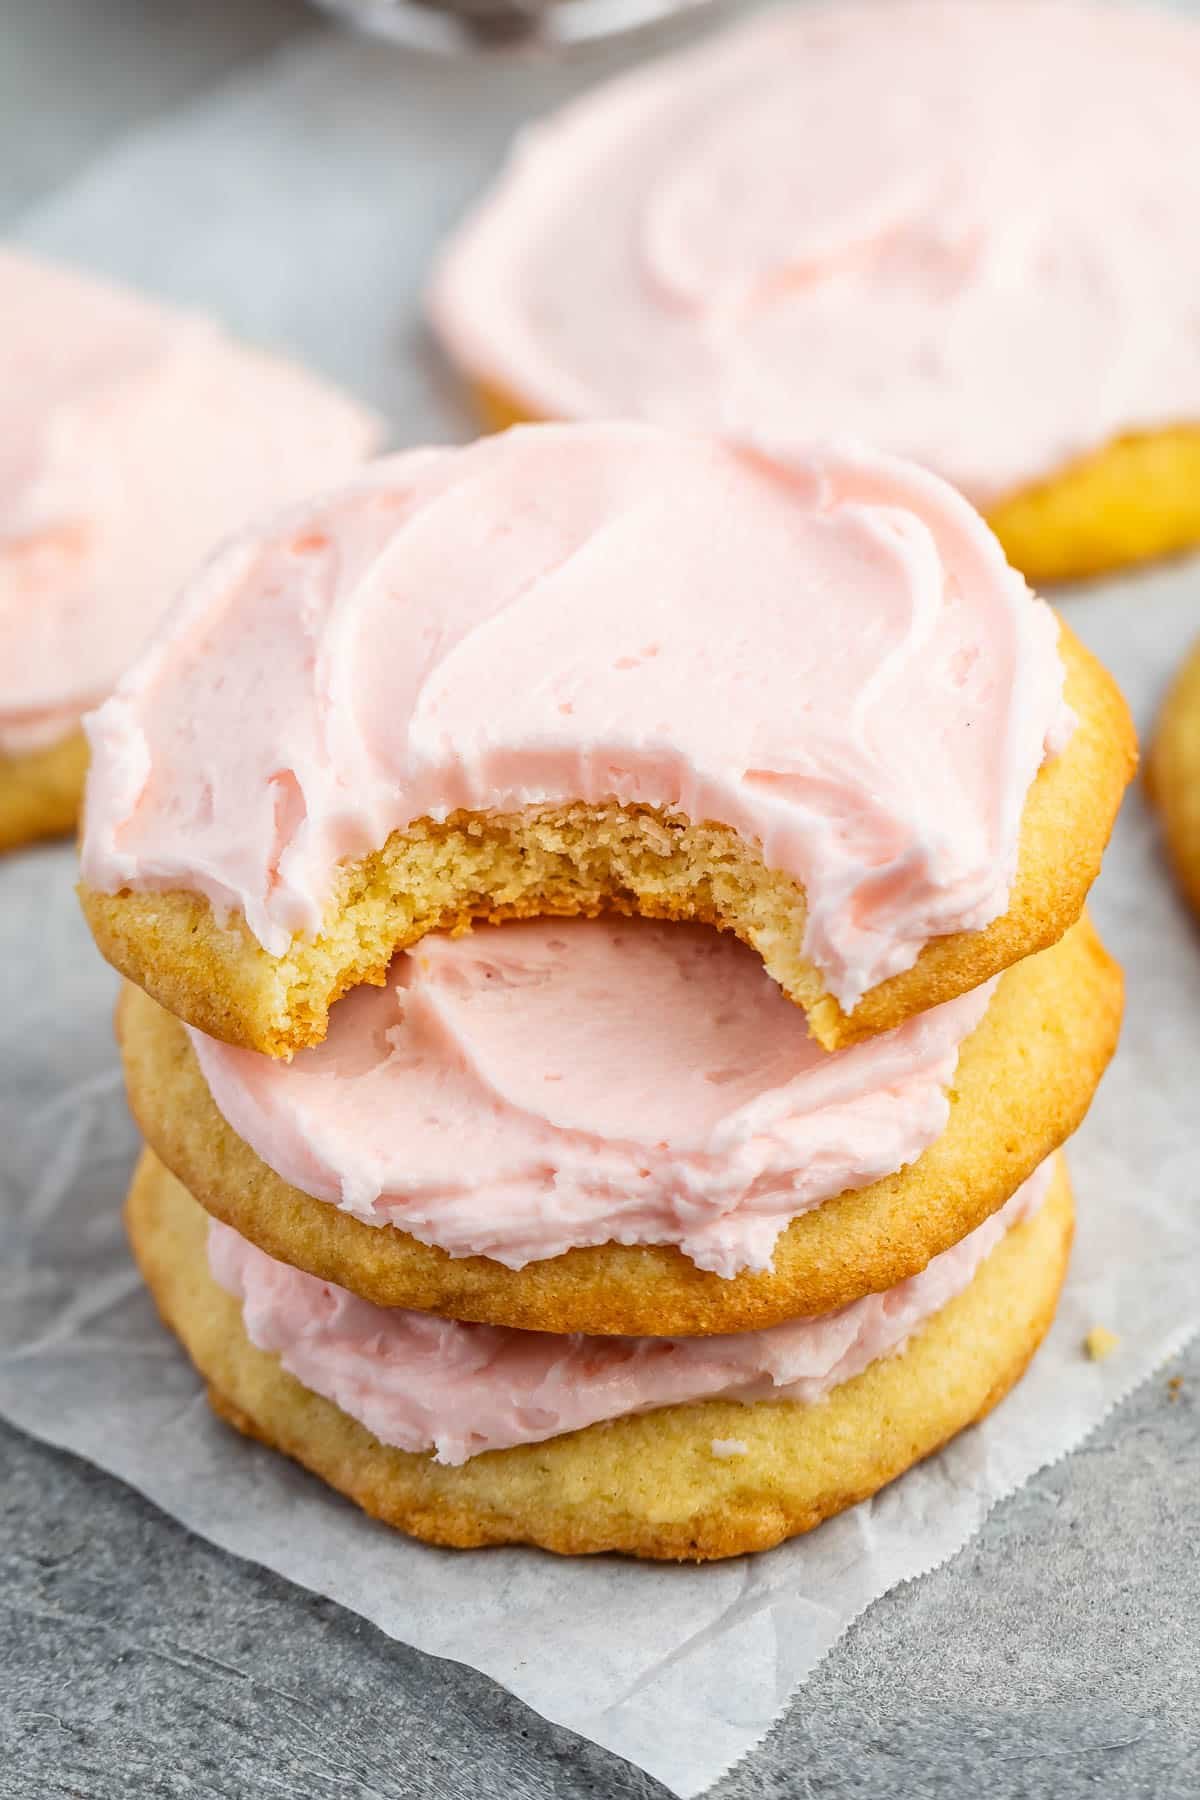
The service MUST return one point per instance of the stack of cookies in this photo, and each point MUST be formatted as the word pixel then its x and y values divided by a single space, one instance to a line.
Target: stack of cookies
pixel 608 980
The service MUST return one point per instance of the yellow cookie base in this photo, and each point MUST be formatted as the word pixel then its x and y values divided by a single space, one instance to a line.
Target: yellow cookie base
pixel 1173 774
pixel 580 859
pixel 1024 1081
pixel 40 792
pixel 651 1485
pixel 1133 501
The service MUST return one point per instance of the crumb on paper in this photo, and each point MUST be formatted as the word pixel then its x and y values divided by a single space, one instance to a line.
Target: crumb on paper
pixel 730 1447
pixel 1174 1387
pixel 1100 1342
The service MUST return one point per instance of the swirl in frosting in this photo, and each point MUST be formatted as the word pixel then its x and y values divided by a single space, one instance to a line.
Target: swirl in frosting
pixel 535 1087
pixel 827 654
pixel 964 233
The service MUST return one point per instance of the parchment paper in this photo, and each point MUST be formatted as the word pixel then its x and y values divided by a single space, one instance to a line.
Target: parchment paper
pixel 302 203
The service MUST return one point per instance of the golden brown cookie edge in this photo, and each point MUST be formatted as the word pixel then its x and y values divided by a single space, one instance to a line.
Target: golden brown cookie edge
pixel 648 1486
pixel 1025 1079
pixel 220 979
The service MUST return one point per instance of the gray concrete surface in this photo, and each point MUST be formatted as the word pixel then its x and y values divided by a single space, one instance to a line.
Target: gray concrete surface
pixel 1057 1656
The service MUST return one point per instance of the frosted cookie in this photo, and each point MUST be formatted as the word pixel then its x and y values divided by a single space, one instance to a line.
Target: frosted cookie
pixel 579 668
pixel 622 1128
pixel 465 1435
pixel 964 234
pixel 1173 774
pixel 133 438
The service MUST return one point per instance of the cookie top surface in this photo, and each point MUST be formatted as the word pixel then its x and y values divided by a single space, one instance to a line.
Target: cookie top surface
pixel 420 1382
pixel 532 1088
pixel 826 653
pixel 134 437
pixel 929 225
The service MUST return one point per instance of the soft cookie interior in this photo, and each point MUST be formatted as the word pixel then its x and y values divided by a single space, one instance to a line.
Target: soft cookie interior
pixel 583 860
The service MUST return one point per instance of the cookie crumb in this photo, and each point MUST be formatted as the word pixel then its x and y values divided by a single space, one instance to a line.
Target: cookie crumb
pixel 1100 1342
pixel 729 1447
pixel 1174 1387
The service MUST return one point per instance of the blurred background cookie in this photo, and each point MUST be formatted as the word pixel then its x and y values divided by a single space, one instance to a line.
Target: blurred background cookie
pixel 134 438
pixel 964 234
pixel 1173 774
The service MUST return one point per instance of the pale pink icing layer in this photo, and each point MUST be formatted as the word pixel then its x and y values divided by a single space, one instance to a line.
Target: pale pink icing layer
pixel 829 655
pixel 963 232
pixel 421 1382
pixel 535 1087
pixel 133 438
pixel 33 731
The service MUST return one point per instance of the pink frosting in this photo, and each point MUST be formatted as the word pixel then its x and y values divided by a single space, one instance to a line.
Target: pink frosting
pixel 828 654
pixel 421 1382
pixel 133 438
pixel 963 232
pixel 528 1089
